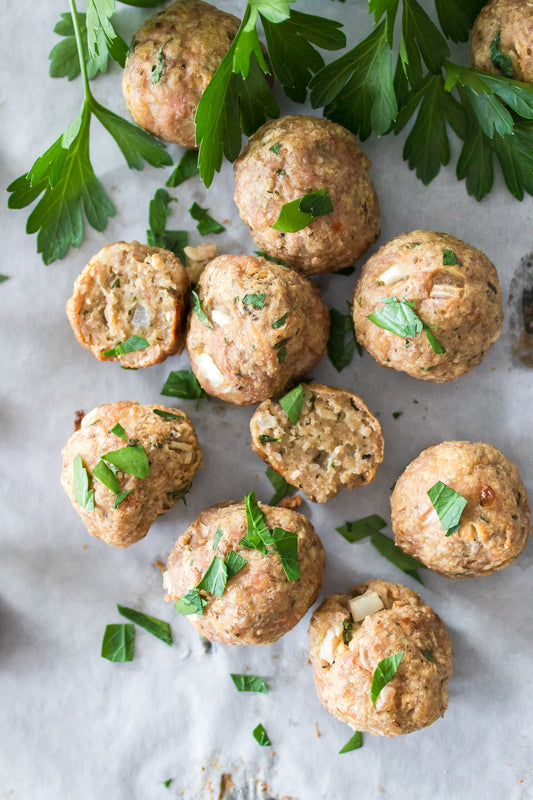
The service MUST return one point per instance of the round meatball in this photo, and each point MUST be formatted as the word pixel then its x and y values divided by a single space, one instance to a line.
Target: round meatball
pixel 351 633
pixel 256 328
pixel 494 524
pixel 259 603
pixel 114 502
pixel 502 39
pixel 335 443
pixel 173 57
pixel 131 290
pixel 453 290
pixel 291 157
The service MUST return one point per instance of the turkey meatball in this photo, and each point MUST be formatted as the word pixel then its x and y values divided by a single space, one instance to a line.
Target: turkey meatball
pixel 435 306
pixel 350 634
pixel 119 496
pixel 336 442
pixel 256 328
pixel 259 603
pixel 493 526
pixel 291 157
pixel 130 290
pixel 502 39
pixel 173 57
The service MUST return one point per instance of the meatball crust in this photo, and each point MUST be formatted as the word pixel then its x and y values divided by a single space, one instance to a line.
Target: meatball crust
pixel 343 672
pixel 266 327
pixel 336 442
pixel 131 289
pixel 259 603
pixel 293 156
pixel 175 54
pixel 461 302
pixel 504 27
pixel 173 453
pixel 494 525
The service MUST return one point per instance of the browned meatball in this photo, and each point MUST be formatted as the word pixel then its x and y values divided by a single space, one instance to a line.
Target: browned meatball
pixel 290 157
pixel 260 327
pixel 494 525
pixel 502 39
pixel 259 604
pixel 351 633
pixel 452 288
pixel 174 56
pixel 336 442
pixel 130 289
pixel 164 436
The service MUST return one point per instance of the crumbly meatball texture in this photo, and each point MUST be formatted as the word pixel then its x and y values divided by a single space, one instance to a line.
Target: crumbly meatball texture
pixel 290 157
pixel 461 302
pixel 173 453
pixel 131 289
pixel 174 56
pixel 266 327
pixel 494 525
pixel 507 25
pixel 336 443
pixel 343 671
pixel 259 603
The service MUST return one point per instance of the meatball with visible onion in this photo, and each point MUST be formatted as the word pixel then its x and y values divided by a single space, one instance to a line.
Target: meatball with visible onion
pixel 130 290
pixel 118 497
pixel 335 443
pixel 259 603
pixel 257 327
pixel 291 157
pixel 174 55
pixel 350 634
pixel 428 304
pixel 493 526
pixel 502 39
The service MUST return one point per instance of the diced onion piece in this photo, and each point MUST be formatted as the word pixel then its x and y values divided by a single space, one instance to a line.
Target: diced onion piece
pixel 219 316
pixel 141 317
pixel 364 605
pixel 329 644
pixel 203 252
pixel 392 275
pixel 266 423
pixel 445 291
pixel 207 367
pixel 166 581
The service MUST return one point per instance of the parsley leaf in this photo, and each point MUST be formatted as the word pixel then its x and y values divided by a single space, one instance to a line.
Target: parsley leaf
pixel 383 674
pixel 183 383
pixel 166 415
pixel 292 403
pixel 64 58
pixel 281 487
pixel 258 535
pixel 218 536
pixel 168 781
pixel 281 321
pixel 191 602
pixel 206 224
pixel 500 60
pixel 354 743
pixel 159 209
pixel 234 563
pixel 449 506
pixel 215 578
pixel 120 496
pixel 107 477
pixel 260 736
pixel 118 643
pixel 342 340
pixel 118 430
pixel 457 17
pixel 99 13
pixel 255 300
pixel 286 543
pixel 449 259
pixel 157 627
pixel 83 493
pixel 268 257
pixel 354 531
pixel 132 460
pixel 199 311
pixel 175 241
pixel 4 278
pixel 299 213
pixel 186 168
pixel 249 683
pixel 399 318
pixel 131 345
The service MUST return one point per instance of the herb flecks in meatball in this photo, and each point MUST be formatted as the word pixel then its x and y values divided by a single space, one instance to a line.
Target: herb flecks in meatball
pixel 502 39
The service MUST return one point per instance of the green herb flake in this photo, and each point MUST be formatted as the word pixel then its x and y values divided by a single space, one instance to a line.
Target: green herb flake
pixel 234 563
pixel 428 655
pixel 249 683
pixel 255 300
pixel 166 415
pixel 281 487
pixel 354 531
pixel 191 602
pixel 280 172
pixel 167 783
pixel 347 626
pixel 83 493
pixel 383 674
pixel 119 431
pixel 215 577
pixel 118 643
pixel 187 168
pixel 131 345
pixel 158 67
pixel 299 213
pixel 120 497
pixel 342 341
pixel 258 535
pixel 180 494
pixel 206 224
pixel 398 317
pixel 260 736
pixel 281 321
pixel 157 627
pixel 292 403
pixel 175 241
pixel 264 439
pixel 270 258
pixel 132 460
pixel 286 543
pixel 354 743
pixel 501 61
pixel 397 414
pixel 449 506
pixel 199 311
pixel 282 355
pixel 275 148
pixel 4 278
pixel 116 284
pixel 107 477
pixel 218 536
pixel 183 384
pixel 449 259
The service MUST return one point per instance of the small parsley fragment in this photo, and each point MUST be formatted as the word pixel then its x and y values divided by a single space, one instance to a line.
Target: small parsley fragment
pixel 282 355
pixel 157 235
pixel 191 602
pixel 120 496
pixel 449 506
pixel 260 736
pixel 449 259
pixel 107 477
pixel 187 168
pixel 183 384
pixel 199 311
pixel 158 67
pixel 299 213
pixel 270 258
pixel 281 487
pixel 428 655
pixel 259 537
pixel 132 460
pixel 383 674
pixel 64 58
pixel 275 148
pixel 167 783
pixel 218 536
pixel 206 224
pixel 281 321
pixel 354 743
pixel 292 403
pixel 347 626
pixel 180 494
pixel 397 414
pixel 264 439
pixel 342 341
pixel 215 578
pixel 131 345
pixel 118 643
pixel 249 683
pixel 83 493
pixel 6 277
pixel 234 563
pixel 119 431
pixel 166 415
pixel 255 300
pixel 398 317
pixel 286 544
pixel 159 209
pixel 360 528
pixel 501 61
pixel 157 627
pixel 116 284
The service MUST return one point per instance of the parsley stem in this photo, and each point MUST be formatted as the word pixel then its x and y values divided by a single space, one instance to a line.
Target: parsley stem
pixel 81 56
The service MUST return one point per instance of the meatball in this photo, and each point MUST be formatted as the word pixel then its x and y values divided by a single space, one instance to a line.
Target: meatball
pixel 258 327
pixel 173 57
pixel 290 157
pixel 454 292
pixel 335 443
pixel 159 440
pixel 259 603
pixel 502 39
pixel 351 633
pixel 130 289
pixel 493 526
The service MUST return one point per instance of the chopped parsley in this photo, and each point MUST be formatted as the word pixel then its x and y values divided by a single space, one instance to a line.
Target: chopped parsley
pixel 187 168
pixel 120 496
pixel 299 213
pixel 166 415
pixel 255 300
pixel 428 655
pixel 4 278
pixel 83 491
pixel 347 626
pixel 107 477
pixel 501 61
pixel 183 384
pixel 199 311
pixel 118 643
pixel 131 345
pixel 157 627
pixel 159 67
pixel 354 743
pixel 281 487
pixel 206 224
pixel 342 340
pixel 449 259
pixel 191 602
pixel 275 148
pixel 260 736
pixel 398 317
pixel 249 683
pixel 264 439
pixel 119 431
pixel 383 674
pixel 218 536
pixel 281 321
pixel 132 459
pixel 292 403
pixel 449 506
pixel 260 537
pixel 214 581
